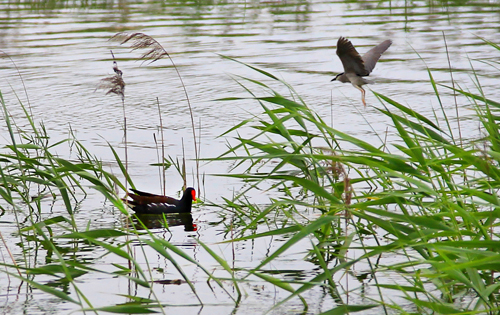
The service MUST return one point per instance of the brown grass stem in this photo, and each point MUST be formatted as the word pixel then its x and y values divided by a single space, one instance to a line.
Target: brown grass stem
pixel 454 93
pixel 114 84
pixel 162 148
pixel 10 254
pixel 159 160
pixel 183 169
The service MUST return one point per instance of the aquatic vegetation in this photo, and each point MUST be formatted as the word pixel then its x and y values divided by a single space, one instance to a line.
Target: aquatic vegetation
pixel 428 201
pixel 413 219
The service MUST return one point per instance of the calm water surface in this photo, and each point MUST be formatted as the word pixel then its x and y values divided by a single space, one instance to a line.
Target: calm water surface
pixel 62 52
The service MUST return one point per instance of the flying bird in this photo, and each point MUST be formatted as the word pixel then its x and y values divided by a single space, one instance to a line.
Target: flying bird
pixel 357 67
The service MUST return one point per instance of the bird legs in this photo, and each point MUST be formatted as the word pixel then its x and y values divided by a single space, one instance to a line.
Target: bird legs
pixel 362 93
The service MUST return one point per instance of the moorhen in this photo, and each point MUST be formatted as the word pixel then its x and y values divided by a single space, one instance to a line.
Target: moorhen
pixel 146 203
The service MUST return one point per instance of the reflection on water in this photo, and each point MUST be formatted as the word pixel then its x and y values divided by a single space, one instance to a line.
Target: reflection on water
pixel 155 221
pixel 61 49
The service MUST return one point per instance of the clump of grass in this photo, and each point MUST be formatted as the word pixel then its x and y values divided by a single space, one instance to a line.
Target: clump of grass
pixel 429 199
pixel 31 173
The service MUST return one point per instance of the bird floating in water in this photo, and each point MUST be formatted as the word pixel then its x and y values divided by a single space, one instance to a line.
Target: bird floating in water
pixel 146 203
pixel 357 67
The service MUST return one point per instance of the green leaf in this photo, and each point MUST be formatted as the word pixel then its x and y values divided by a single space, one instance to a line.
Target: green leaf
pixel 124 309
pixel 438 307
pixel 50 290
pixel 346 309
pixel 305 232
pixel 102 233
pixel 45 223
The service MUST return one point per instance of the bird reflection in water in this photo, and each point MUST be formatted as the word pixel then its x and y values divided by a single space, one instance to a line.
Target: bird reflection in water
pixel 155 221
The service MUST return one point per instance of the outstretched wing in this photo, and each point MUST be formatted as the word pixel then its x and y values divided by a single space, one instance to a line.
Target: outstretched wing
pixel 351 60
pixel 373 55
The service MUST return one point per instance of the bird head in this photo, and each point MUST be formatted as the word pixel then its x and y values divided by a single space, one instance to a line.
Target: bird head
pixel 192 193
pixel 338 75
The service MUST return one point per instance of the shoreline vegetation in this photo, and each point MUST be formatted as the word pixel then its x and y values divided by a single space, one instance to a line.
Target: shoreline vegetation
pixel 429 200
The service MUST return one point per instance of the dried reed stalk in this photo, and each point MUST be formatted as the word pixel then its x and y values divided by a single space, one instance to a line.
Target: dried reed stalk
pixel 162 148
pixel 115 84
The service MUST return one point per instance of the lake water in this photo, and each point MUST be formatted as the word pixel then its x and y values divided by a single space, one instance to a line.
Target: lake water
pixel 62 51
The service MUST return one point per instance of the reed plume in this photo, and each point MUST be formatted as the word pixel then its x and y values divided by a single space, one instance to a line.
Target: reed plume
pixel 143 41
pixel 114 84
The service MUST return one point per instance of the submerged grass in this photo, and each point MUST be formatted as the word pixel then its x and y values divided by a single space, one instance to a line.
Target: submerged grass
pixel 422 209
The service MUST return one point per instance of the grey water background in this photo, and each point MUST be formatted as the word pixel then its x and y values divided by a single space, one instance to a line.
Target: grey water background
pixel 61 50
